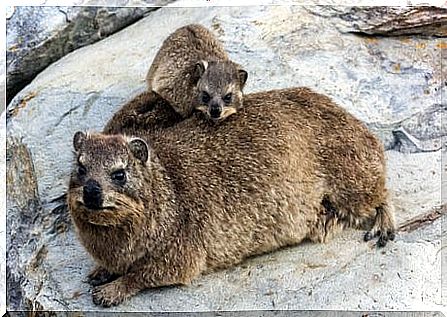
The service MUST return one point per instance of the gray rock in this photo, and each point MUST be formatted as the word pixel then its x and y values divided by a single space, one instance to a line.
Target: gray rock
pixel 38 36
pixel 390 83
pixel 389 21
pixel 2 82
pixel 23 201
pixel 421 132
pixel 3 215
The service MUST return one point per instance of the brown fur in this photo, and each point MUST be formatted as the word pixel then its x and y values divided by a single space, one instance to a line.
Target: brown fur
pixel 147 111
pixel 211 195
pixel 190 62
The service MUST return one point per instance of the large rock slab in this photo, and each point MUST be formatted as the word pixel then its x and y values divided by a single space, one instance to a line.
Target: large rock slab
pixel 393 84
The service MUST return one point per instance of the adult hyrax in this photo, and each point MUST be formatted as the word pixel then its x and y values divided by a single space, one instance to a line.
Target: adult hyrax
pixel 199 197
pixel 192 71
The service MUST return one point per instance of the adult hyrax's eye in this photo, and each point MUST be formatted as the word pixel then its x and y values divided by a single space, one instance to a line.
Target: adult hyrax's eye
pixel 119 177
pixel 205 97
pixel 227 98
pixel 82 171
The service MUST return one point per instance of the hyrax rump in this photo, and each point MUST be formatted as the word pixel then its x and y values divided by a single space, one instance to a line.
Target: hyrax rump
pixel 199 197
pixel 192 71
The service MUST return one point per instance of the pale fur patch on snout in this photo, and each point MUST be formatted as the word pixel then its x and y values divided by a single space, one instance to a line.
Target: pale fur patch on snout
pixel 227 111
pixel 109 201
pixel 202 108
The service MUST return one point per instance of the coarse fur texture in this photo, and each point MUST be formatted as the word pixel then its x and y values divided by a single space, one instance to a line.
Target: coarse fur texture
pixel 147 112
pixel 291 165
pixel 192 71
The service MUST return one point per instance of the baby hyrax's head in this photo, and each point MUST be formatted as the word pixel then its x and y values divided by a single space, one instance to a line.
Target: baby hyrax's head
pixel 106 183
pixel 219 88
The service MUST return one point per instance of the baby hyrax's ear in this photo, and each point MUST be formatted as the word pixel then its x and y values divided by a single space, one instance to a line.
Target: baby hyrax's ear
pixel 243 75
pixel 78 140
pixel 139 149
pixel 201 67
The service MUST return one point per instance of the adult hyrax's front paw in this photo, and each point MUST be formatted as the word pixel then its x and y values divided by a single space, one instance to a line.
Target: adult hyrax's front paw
pixel 110 294
pixel 100 276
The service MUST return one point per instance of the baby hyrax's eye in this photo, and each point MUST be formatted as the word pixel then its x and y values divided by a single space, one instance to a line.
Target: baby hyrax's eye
pixel 82 171
pixel 205 97
pixel 227 98
pixel 119 176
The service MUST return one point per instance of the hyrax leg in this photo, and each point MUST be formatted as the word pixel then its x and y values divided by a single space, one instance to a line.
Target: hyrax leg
pixel 327 223
pixel 384 226
pixel 99 276
pixel 117 291
pixel 181 269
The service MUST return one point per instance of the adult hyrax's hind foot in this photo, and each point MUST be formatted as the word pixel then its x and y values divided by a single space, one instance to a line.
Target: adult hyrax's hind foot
pixel 383 227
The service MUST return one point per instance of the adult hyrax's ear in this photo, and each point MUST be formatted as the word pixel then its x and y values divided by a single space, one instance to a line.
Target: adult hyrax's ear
pixel 243 75
pixel 201 67
pixel 78 139
pixel 139 149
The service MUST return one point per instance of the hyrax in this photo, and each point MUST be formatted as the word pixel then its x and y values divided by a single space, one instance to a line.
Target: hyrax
pixel 148 111
pixel 199 197
pixel 192 71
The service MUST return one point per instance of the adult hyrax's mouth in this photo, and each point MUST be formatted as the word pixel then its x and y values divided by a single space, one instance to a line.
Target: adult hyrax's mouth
pixel 102 208
pixel 95 208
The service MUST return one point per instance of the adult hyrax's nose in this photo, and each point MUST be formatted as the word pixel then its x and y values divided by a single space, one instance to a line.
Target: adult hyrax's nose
pixel 92 194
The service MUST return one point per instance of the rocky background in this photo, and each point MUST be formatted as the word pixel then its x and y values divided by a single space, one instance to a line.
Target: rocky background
pixel 382 64
pixel 39 36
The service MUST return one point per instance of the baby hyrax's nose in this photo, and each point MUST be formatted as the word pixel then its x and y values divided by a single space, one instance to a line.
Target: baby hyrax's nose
pixel 92 194
pixel 215 111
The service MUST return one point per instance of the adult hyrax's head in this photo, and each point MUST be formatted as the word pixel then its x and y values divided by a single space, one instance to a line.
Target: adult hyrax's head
pixel 219 88
pixel 106 182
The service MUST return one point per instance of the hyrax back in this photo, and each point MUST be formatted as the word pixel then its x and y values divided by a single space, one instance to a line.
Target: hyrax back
pixel 353 162
pixel 198 197
pixel 191 55
pixel 147 112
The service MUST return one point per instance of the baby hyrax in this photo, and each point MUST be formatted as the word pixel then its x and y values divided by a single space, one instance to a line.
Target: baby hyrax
pixel 192 71
pixel 196 197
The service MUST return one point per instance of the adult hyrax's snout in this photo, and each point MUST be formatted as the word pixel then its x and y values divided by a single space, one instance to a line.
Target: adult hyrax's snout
pixel 92 194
